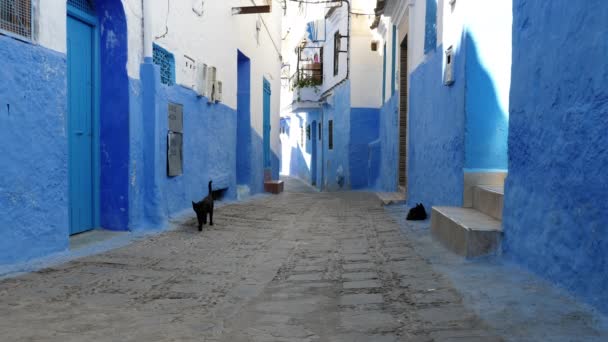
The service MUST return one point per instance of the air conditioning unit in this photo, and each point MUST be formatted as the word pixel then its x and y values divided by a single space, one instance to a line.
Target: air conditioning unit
pixel 201 80
pixel 189 71
pixel 211 78
pixel 217 93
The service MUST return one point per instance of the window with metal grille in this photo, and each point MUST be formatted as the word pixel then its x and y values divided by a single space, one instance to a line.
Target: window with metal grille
pixel 165 60
pixel 87 6
pixel 16 18
pixel 320 131
pixel 330 128
pixel 336 52
pixel 308 132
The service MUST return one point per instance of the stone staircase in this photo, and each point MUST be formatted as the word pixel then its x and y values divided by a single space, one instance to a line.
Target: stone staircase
pixel 474 230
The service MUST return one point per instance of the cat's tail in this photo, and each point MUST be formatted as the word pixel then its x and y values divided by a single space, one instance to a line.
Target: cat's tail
pixel 210 187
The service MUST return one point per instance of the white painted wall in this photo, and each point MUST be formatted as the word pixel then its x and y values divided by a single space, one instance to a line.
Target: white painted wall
pixel 488 23
pixel 51 15
pixel 366 65
pixel 338 21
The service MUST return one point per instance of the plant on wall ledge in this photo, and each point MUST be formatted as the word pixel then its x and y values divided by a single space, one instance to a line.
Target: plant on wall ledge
pixel 307 82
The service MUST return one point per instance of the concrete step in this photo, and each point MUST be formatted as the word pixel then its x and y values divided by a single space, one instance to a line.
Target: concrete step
pixel 489 200
pixel 466 231
pixel 389 198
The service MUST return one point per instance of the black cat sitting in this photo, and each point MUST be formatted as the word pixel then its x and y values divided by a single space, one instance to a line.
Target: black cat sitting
pixel 203 208
pixel 417 213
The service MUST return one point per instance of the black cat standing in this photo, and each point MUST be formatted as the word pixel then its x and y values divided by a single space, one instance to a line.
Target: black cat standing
pixel 203 208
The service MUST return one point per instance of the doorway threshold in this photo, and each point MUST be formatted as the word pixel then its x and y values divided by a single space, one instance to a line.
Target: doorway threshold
pixel 93 237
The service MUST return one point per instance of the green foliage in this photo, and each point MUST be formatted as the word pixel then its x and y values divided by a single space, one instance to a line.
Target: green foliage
pixel 307 82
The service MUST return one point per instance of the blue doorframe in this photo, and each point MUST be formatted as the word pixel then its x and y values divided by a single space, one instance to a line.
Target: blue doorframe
pixel 267 93
pixel 313 163
pixel 243 121
pixel 83 120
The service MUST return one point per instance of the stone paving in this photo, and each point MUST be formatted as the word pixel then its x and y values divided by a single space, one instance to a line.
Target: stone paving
pixel 299 266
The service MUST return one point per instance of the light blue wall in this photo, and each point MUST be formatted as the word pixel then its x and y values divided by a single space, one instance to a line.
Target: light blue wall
pixel 336 163
pixel 556 212
pixel 488 67
pixel 298 166
pixel 364 129
pixel 33 152
pixel 436 133
pixel 388 139
pixel 430 27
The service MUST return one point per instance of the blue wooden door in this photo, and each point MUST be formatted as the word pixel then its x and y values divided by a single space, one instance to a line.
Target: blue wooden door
pixel 267 92
pixel 80 123
pixel 313 164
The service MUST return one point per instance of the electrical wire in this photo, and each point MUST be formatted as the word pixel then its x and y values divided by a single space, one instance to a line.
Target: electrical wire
pixel 166 22
pixel 269 34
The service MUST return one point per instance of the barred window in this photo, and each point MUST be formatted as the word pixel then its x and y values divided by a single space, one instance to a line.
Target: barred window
pixel 16 18
pixel 166 61
pixel 330 132
pixel 87 6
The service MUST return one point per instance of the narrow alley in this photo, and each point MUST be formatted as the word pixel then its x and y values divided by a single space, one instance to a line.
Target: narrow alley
pixel 371 170
pixel 299 267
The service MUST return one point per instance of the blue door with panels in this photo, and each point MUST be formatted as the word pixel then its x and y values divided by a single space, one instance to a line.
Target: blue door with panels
pixel 267 93
pixel 81 46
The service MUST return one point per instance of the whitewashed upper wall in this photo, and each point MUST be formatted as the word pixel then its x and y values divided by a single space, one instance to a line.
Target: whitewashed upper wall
pixel 366 66
pixel 52 24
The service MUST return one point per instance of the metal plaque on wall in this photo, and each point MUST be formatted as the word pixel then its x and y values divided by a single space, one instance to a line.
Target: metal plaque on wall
pixel 174 154
pixel 176 117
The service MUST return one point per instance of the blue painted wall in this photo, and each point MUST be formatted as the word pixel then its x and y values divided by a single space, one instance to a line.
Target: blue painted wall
pixel 243 159
pixel 298 165
pixel 556 213
pixel 34 151
pixel 388 139
pixel 114 117
pixel 430 27
pixel 488 80
pixel 336 163
pixel 436 133
pixel 364 129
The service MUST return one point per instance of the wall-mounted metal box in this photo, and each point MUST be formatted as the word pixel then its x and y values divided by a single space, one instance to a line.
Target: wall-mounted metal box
pixel 175 154
pixel 448 69
pixel 176 117
pixel 175 139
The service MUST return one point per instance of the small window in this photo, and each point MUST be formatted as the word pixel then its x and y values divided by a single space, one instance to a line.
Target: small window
pixel 320 131
pixel 330 132
pixel 16 18
pixel 337 52
pixel 165 60
pixel 308 132
pixel 374 45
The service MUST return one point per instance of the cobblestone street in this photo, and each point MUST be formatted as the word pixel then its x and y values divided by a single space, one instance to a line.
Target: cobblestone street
pixel 301 266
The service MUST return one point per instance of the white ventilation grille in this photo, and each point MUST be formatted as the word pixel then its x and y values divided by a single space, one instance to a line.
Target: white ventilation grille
pixel 86 6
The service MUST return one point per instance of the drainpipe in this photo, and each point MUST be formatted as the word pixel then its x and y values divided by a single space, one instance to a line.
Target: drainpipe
pixel 147 30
